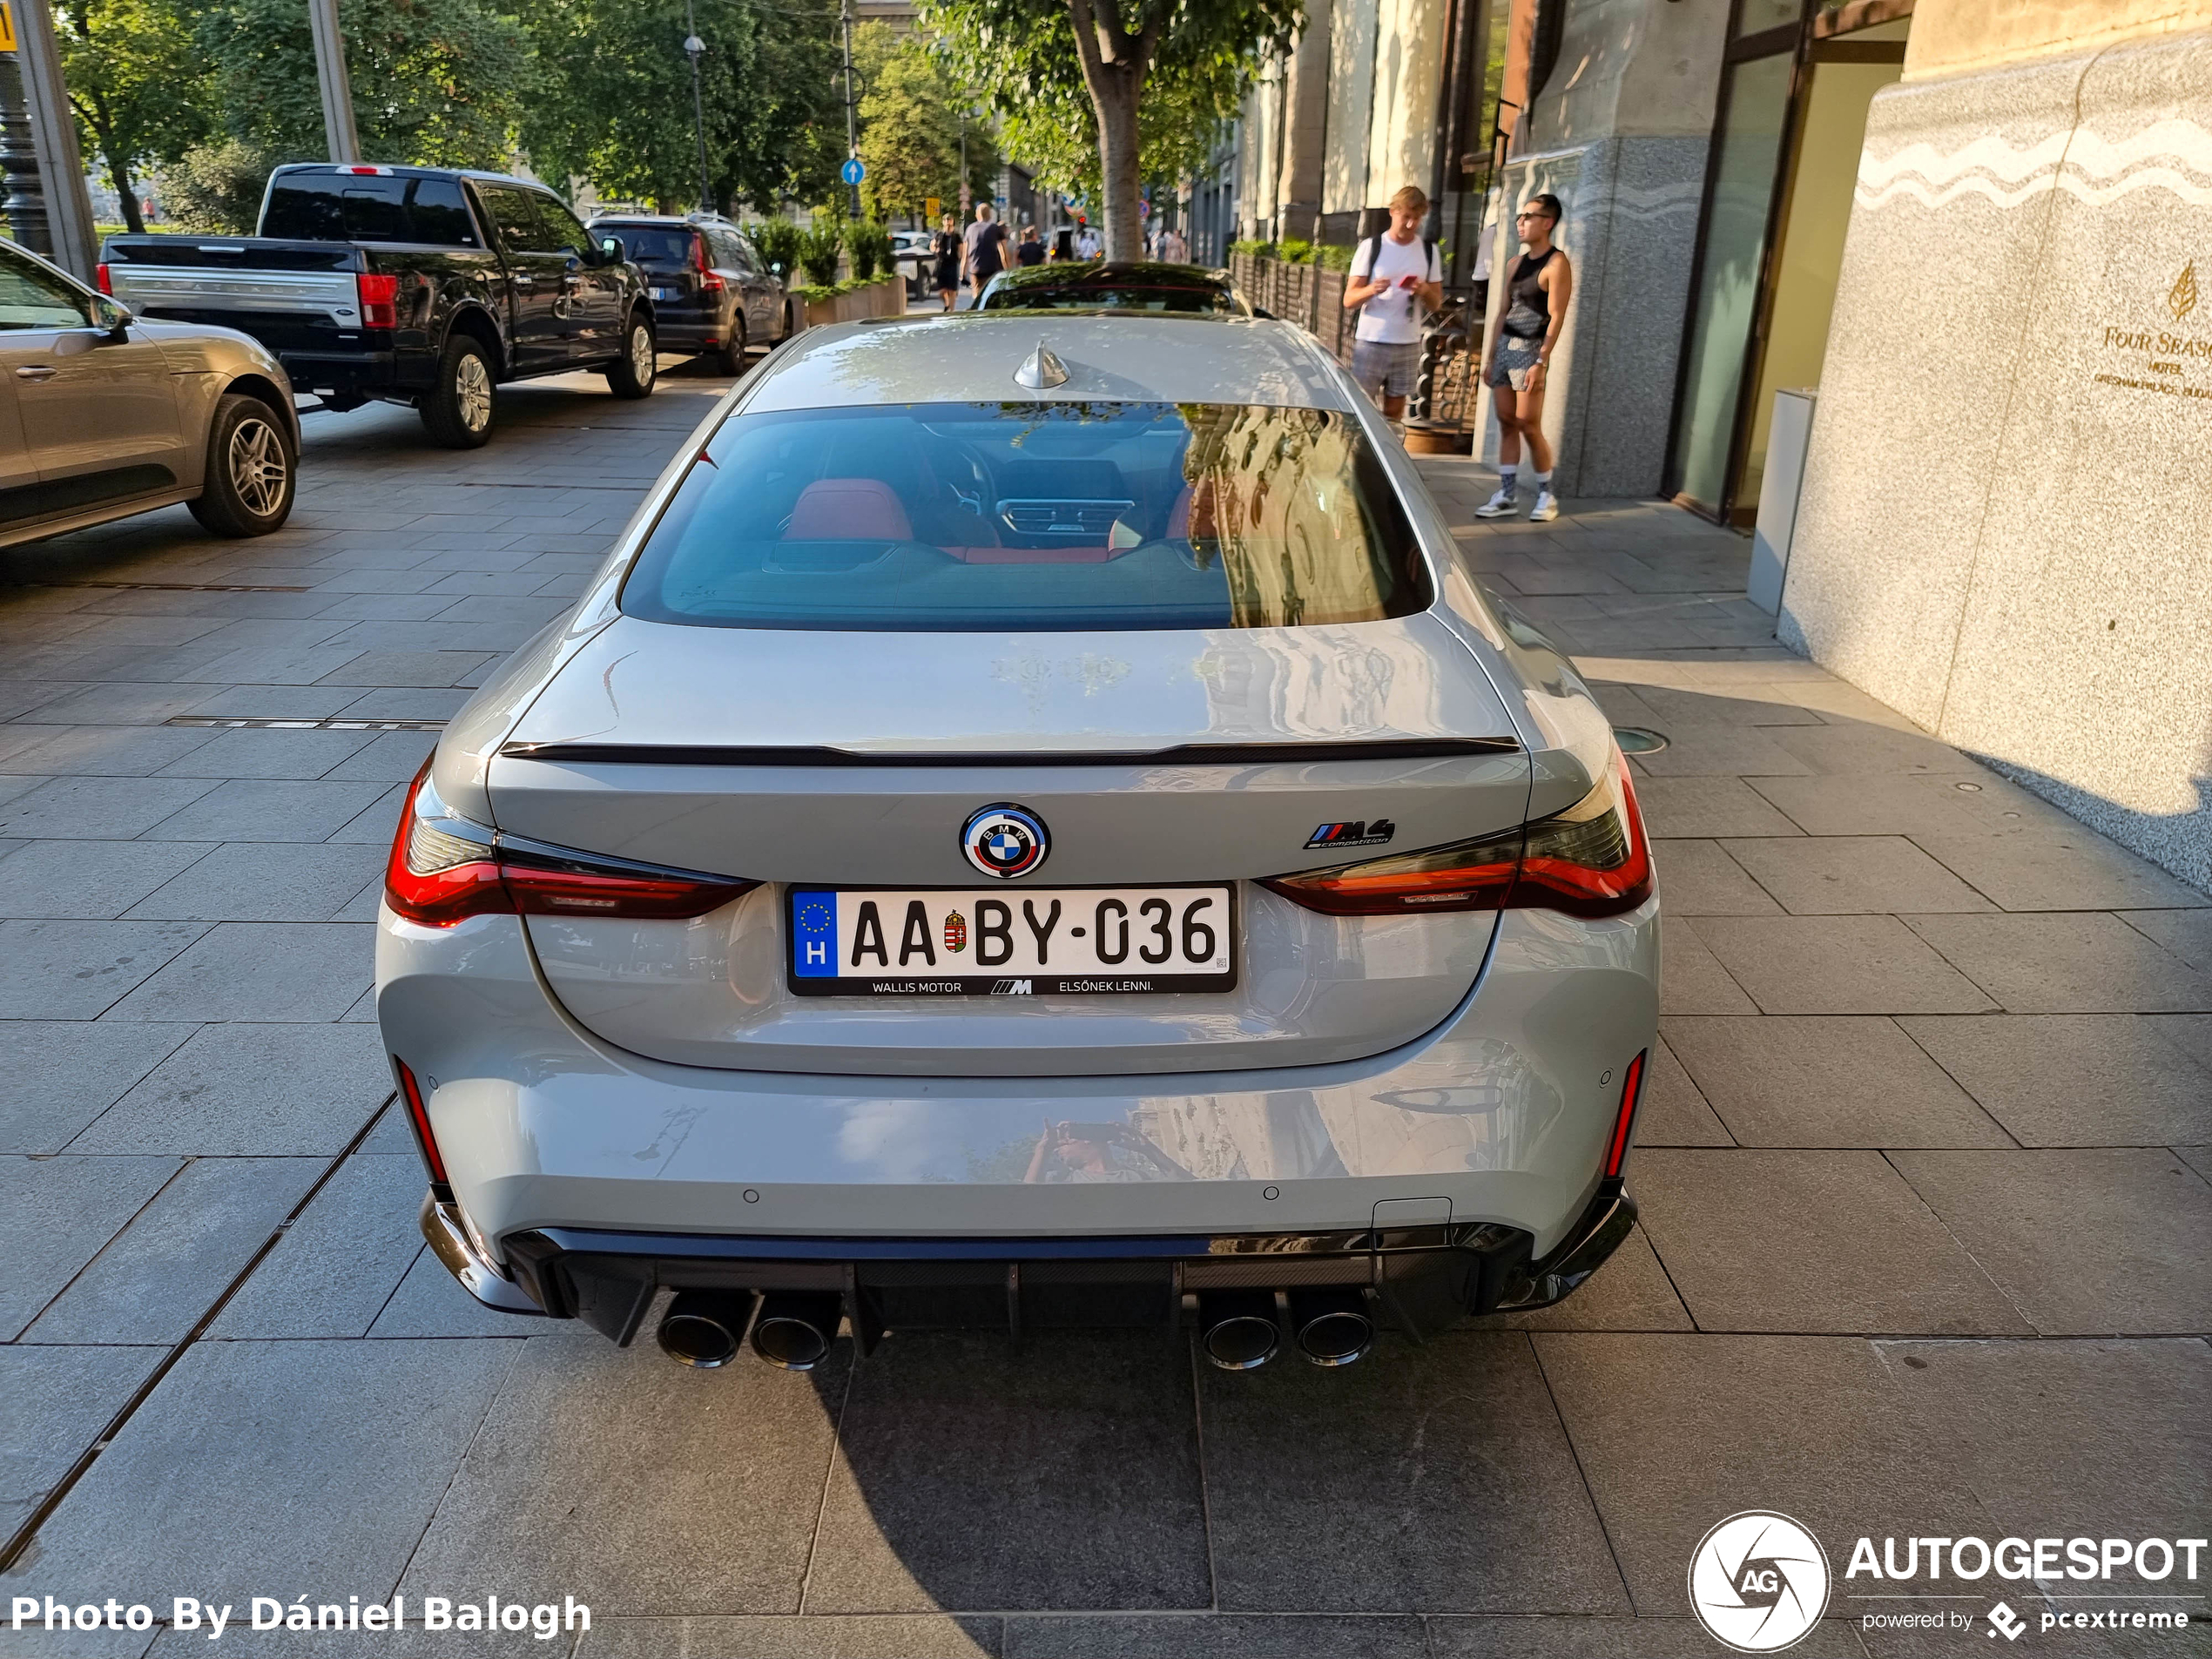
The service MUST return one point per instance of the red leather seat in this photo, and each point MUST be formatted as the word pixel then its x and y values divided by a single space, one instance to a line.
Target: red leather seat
pixel 848 509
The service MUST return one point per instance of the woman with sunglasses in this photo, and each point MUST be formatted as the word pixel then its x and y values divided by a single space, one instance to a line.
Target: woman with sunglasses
pixel 1538 289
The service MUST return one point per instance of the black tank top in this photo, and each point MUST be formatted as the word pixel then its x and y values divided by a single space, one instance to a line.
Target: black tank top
pixel 1529 314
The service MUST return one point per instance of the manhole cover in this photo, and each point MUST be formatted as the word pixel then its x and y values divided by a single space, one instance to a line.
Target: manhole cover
pixel 1636 740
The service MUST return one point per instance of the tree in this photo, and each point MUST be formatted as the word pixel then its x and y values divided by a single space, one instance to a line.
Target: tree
pixel 1018 51
pixel 435 82
pixel 137 84
pixel 912 114
pixel 1181 121
pixel 614 104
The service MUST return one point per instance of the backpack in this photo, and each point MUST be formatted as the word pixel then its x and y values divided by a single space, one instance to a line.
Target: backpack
pixel 1373 248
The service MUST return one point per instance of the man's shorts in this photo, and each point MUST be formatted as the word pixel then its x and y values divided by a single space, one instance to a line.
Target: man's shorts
pixel 1515 357
pixel 1384 370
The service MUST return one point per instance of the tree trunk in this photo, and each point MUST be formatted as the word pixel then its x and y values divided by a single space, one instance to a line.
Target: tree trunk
pixel 1114 99
pixel 120 170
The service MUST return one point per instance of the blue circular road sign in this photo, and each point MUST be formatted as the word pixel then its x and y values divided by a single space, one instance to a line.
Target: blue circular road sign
pixel 853 172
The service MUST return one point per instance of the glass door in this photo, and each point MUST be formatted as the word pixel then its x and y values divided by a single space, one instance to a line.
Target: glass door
pixel 1732 243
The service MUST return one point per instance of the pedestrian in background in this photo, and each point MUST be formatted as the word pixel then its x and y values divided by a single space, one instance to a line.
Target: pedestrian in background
pixel 984 252
pixel 1394 278
pixel 1173 249
pixel 1030 250
pixel 1088 246
pixel 944 248
pixel 1538 287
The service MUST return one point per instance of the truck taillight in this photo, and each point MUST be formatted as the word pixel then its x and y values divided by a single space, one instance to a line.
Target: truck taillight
pixel 1593 860
pixel 105 283
pixel 445 869
pixel 379 296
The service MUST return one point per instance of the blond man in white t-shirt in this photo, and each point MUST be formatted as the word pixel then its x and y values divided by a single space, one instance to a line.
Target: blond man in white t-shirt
pixel 1396 279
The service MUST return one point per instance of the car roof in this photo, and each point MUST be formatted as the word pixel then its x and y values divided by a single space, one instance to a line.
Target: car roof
pixel 970 357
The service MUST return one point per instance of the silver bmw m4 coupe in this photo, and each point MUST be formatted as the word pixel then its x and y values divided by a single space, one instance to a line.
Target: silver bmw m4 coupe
pixel 1026 834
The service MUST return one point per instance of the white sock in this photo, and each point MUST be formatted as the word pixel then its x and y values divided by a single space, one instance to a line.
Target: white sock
pixel 1542 479
pixel 1505 477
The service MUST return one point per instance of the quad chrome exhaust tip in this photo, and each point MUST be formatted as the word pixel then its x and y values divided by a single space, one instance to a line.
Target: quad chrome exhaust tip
pixel 795 1329
pixel 1236 1329
pixel 1243 1329
pixel 1333 1326
pixel 702 1329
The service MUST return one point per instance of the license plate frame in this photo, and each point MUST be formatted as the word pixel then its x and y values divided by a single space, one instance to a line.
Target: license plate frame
pixel 1006 979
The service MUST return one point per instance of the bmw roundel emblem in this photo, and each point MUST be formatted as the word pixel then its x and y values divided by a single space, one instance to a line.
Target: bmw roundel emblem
pixel 1005 840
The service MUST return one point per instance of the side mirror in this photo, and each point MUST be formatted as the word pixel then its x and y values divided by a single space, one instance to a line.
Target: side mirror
pixel 110 316
pixel 1263 314
pixel 611 249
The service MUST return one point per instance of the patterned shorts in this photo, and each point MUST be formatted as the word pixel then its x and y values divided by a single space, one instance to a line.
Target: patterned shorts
pixel 1516 356
pixel 1384 370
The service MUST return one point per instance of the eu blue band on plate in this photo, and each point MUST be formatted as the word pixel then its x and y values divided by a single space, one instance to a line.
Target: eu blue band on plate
pixel 813 934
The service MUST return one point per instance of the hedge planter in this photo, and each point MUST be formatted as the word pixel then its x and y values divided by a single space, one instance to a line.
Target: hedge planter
pixel 885 297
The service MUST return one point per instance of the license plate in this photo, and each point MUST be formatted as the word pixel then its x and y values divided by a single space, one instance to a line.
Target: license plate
pixel 664 293
pixel 1062 942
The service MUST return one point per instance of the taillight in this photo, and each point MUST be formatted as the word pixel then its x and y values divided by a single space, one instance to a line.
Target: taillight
pixel 1624 1120
pixel 710 279
pixel 1592 859
pixel 379 295
pixel 106 284
pixel 412 1093
pixel 445 869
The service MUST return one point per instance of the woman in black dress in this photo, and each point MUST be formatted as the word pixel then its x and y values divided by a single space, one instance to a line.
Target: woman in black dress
pixel 944 248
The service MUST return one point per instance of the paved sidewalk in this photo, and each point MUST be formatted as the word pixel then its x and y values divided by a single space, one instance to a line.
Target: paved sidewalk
pixel 1927 1241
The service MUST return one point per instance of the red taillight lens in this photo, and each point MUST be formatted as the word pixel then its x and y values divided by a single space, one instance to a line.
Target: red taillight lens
pixel 380 299
pixel 1592 859
pixel 710 279
pixel 445 869
pixel 1624 1122
pixel 411 1092
pixel 105 283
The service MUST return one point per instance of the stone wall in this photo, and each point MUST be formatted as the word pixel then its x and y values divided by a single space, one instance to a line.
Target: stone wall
pixel 2001 527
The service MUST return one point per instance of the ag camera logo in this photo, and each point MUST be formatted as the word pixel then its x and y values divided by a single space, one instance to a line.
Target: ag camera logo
pixel 1759 1581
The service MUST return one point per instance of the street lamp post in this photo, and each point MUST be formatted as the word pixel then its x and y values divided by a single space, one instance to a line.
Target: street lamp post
pixel 695 48
pixel 852 100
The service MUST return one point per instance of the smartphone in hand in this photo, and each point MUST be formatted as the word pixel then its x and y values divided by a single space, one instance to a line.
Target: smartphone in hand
pixel 1409 282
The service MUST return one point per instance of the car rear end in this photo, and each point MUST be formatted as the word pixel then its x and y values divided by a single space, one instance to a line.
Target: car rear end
pixel 1031 858
pixel 691 299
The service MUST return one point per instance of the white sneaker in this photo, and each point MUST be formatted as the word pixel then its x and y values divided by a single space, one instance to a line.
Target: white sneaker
pixel 1546 507
pixel 1501 505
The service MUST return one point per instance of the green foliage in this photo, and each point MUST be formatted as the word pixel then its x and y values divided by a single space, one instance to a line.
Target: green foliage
pixel 613 103
pixel 1330 257
pixel 440 82
pixel 818 248
pixel 1258 250
pixel 216 189
pixel 1058 143
pixel 911 124
pixel 137 84
pixel 870 246
pixel 777 240
pixel 1292 250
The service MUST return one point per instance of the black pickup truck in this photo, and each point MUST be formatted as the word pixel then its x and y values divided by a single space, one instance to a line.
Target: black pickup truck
pixel 414 285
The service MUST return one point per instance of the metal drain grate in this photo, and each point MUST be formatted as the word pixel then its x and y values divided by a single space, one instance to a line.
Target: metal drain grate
pixel 184 587
pixel 334 724
pixel 1639 740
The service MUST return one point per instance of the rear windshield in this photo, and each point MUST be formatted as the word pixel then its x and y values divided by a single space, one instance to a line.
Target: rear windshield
pixel 949 517
pixel 361 207
pixel 1122 296
pixel 649 246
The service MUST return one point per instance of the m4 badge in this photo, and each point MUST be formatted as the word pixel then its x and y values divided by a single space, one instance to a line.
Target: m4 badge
pixel 1356 833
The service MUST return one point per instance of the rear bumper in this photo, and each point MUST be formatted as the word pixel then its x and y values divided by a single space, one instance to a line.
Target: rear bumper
pixel 1420 1278
pixel 369 373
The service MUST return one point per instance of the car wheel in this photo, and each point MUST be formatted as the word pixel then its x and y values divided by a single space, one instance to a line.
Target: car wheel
pixel 458 407
pixel 730 358
pixel 632 374
pixel 253 470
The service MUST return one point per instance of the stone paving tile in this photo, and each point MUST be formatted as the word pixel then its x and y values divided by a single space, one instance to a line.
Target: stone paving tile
pixel 156 1277
pixel 1755 706
pixel 2064 964
pixel 394 758
pixel 2049 869
pixel 2074 1079
pixel 265 810
pixel 336 1267
pixel 72 970
pixel 1700 879
pixel 414 1643
pixel 1835 875
pixel 2190 1033
pixel 2086 1243
pixel 379 668
pixel 1216 1635
pixel 1717 751
pixel 100 808
pixel 1853 749
pixel 87 880
pixel 260 752
pixel 407 703
pixel 106 750
pixel 53 1404
pixel 263 881
pixel 276 701
pixel 1813 1426
pixel 1687 807
pixel 1630 1292
pixel 377 823
pixel 1649 1638
pixel 1430 1479
pixel 429 1302
pixel 634 1484
pixel 61 1212
pixel 2121 1431
pixel 1784 1081
pixel 254 971
pixel 2186 933
pixel 1780 1241
pixel 1693 982
pixel 1837 965
pixel 840 1636
pixel 58 1076
pixel 1868 804
pixel 343 1476
pixel 251 1091
pixel 1013 1440
pixel 1672 1112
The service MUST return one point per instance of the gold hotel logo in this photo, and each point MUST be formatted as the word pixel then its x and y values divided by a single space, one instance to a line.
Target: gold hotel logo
pixel 2181 299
